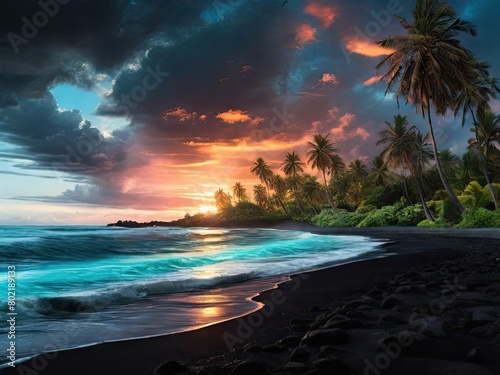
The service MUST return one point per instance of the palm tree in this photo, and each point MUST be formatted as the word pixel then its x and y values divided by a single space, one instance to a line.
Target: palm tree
pixel 279 185
pixel 379 173
pixel 292 167
pixel 337 167
pixel 402 150
pixel 311 189
pixel 222 200
pixel 260 194
pixel 262 171
pixel 433 68
pixel 240 192
pixel 487 131
pixel 449 162
pixel 320 157
pixel 357 172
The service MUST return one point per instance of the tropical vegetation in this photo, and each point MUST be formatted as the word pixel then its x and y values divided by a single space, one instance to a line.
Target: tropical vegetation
pixel 411 181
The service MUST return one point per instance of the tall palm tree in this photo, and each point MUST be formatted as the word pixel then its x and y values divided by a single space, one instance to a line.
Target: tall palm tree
pixel 449 162
pixel 279 186
pixel 401 151
pixel 337 167
pixel 222 200
pixel 357 172
pixel 240 192
pixel 262 171
pixel 379 173
pixel 260 195
pixel 311 189
pixel 487 131
pixel 292 167
pixel 432 67
pixel 320 157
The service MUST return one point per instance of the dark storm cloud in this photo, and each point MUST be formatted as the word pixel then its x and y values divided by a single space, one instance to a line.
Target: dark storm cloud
pixel 59 139
pixel 87 194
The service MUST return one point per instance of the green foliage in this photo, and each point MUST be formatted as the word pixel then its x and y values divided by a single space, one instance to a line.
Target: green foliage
pixel 340 218
pixel 385 216
pixel 475 195
pixel 438 223
pixel 451 212
pixel 365 208
pixel 385 195
pixel 480 218
pixel 410 215
pixel 242 211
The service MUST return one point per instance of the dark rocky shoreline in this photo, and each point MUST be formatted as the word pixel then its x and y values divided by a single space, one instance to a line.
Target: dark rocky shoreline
pixel 431 307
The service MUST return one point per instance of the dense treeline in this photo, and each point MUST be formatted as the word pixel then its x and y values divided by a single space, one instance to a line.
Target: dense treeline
pixel 411 182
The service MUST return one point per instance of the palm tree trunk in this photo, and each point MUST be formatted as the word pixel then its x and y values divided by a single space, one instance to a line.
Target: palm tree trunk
pixel 406 190
pixel 283 207
pixel 427 212
pixel 444 181
pixel 298 201
pixel 312 205
pixel 328 197
pixel 488 182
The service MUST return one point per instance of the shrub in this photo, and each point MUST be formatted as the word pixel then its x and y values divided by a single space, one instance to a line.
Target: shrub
pixel 451 212
pixel 340 218
pixel 480 218
pixel 438 223
pixel 383 217
pixel 365 208
pixel 410 215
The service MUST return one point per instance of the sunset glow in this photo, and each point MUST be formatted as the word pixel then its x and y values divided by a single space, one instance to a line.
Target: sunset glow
pixel 148 123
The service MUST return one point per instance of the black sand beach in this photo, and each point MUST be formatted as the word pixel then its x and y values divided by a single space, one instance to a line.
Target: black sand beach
pixel 431 307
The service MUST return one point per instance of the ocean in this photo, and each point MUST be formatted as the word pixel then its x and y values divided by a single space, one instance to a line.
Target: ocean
pixel 81 285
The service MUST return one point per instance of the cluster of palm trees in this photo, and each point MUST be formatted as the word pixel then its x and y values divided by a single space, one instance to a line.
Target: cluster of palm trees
pixel 430 69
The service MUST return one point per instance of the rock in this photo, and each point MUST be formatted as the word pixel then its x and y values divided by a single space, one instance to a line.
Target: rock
pixel 296 367
pixel 390 301
pixel 297 324
pixel 315 308
pixel 391 318
pixel 274 348
pixel 292 340
pixel 475 355
pixel 332 365
pixel 300 354
pixel 322 337
pixel 249 368
pixel 252 349
pixel 171 367
pixel 428 327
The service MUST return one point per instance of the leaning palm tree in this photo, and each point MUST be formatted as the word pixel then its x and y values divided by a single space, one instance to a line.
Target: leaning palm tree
pixel 401 151
pixel 262 171
pixel 487 131
pixel 432 67
pixel 280 189
pixel 240 192
pixel 260 195
pixel 311 189
pixel 320 157
pixel 292 167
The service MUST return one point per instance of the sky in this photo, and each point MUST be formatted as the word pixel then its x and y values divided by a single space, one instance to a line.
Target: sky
pixel 141 109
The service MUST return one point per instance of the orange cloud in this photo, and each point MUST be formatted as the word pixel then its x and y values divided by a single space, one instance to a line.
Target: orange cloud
pixel 366 48
pixel 372 80
pixel 180 113
pixel 326 14
pixel 305 34
pixel 234 116
pixel 329 78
